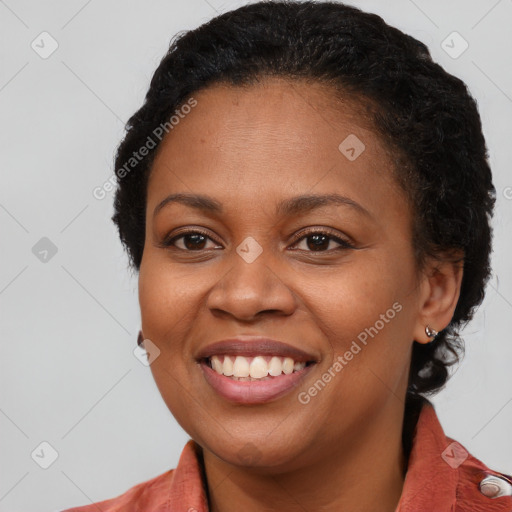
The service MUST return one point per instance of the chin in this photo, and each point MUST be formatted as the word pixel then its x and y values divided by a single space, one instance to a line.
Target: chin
pixel 256 454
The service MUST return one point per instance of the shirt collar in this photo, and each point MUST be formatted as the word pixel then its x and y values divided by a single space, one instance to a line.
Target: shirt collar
pixel 428 475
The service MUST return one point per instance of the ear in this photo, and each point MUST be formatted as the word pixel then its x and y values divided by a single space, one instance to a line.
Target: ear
pixel 440 290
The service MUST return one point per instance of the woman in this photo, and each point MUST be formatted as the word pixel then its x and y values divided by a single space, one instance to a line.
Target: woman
pixel 307 199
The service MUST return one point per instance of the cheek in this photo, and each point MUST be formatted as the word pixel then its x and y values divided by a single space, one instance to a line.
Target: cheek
pixel 354 296
pixel 166 296
pixel 362 311
pixel 168 304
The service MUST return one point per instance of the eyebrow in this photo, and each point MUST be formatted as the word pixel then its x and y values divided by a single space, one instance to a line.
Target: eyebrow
pixel 289 207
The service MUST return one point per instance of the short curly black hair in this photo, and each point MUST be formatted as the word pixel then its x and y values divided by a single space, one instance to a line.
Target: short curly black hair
pixel 425 114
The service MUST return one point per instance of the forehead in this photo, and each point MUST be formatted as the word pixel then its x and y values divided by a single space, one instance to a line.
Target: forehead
pixel 274 110
pixel 278 137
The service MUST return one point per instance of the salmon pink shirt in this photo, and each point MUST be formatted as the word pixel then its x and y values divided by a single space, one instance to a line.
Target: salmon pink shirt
pixel 441 477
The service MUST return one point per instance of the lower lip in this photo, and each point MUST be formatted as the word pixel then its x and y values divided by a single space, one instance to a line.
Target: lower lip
pixel 253 392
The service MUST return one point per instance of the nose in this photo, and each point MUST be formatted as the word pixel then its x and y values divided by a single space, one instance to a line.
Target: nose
pixel 251 287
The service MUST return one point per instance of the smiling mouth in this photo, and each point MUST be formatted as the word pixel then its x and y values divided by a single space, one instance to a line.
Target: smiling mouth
pixel 255 368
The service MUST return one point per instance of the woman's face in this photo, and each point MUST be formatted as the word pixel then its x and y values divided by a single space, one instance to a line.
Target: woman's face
pixel 347 293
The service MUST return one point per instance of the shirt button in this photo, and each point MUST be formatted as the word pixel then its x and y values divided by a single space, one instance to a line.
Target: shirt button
pixel 494 487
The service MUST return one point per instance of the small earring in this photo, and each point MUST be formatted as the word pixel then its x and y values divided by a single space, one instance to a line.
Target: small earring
pixel 140 338
pixel 431 333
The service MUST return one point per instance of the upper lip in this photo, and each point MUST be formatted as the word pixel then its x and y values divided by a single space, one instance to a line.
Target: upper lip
pixel 251 346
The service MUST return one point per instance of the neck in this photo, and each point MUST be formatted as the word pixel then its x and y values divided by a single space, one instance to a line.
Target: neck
pixel 364 474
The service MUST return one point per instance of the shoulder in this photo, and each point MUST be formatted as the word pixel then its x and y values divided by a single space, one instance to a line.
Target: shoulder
pixel 147 495
pixel 181 488
pixel 478 485
pixel 443 475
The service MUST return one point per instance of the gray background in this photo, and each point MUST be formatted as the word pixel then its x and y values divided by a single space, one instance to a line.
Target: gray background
pixel 69 324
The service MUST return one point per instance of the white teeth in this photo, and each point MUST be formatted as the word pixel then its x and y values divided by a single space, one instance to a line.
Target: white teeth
pixel 216 364
pixel 227 366
pixel 299 366
pixel 275 367
pixel 254 367
pixel 258 368
pixel 241 367
pixel 288 365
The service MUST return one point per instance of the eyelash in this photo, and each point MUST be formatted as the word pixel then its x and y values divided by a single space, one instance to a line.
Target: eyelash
pixel 344 244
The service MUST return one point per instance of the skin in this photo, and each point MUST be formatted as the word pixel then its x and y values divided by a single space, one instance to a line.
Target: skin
pixel 249 149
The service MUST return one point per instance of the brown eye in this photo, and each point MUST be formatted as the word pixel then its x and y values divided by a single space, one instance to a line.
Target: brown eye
pixel 191 241
pixel 319 241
